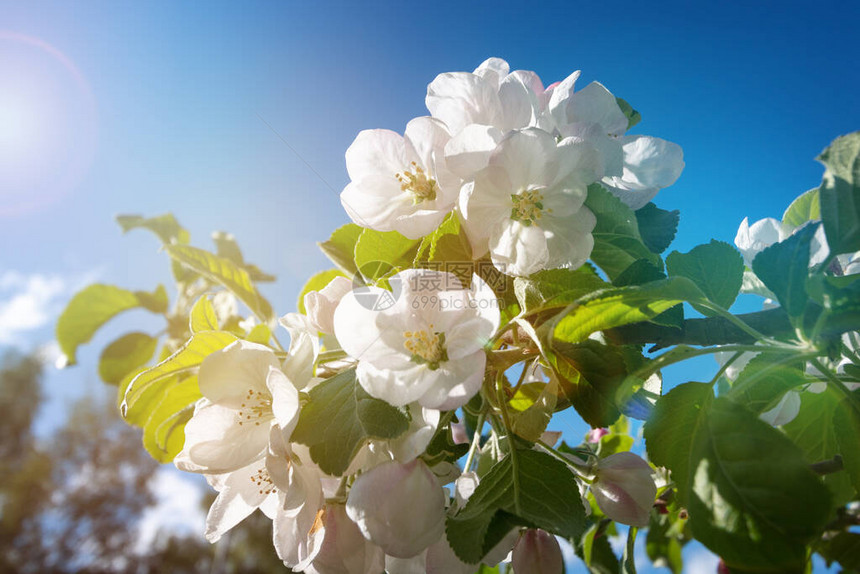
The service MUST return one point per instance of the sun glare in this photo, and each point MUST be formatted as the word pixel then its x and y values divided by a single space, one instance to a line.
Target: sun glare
pixel 47 124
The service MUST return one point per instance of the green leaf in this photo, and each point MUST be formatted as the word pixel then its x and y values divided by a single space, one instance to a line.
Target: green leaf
pixel 124 355
pixel 164 226
pixel 657 226
pixel 531 422
pixel 806 207
pixel 846 427
pixel 164 431
pixel 543 494
pixel 448 243
pixel 753 499
pixel 340 418
pixel 94 306
pixel 671 430
pixel 661 542
pixel 622 306
pixel 590 375
pixel 227 247
pixel 633 117
pixel 816 431
pixel 316 283
pixel 259 334
pixel 783 268
pixel 203 317
pixel 840 194
pixel 596 551
pixel 617 242
pixel 716 268
pixel 156 301
pixel 378 253
pixel 843 548
pixel 226 273
pixel 186 360
pixel 555 288
pixel 340 247
pixel 764 381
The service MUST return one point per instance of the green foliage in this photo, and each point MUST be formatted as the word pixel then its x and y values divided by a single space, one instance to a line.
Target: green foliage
pixel 226 246
pixel 822 429
pixel 530 489
pixel 671 431
pixel 94 306
pixel 716 268
pixel 554 288
pixel 448 243
pixel 340 247
pixel 617 242
pixel 590 375
pixel 340 418
pixel 806 207
pixel 840 194
pixel 223 271
pixel 633 117
pixel 751 496
pixel 765 380
pixel 846 428
pixel 202 317
pixel 783 268
pixel 657 226
pixel 843 548
pixel 378 253
pixel 124 355
pixel 183 362
pixel 622 306
pixel 164 431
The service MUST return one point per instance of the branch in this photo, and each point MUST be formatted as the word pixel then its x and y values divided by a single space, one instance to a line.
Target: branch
pixel 704 332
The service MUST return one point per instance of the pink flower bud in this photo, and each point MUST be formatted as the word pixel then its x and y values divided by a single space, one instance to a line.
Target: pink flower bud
pixel 594 435
pixel 537 552
pixel 624 489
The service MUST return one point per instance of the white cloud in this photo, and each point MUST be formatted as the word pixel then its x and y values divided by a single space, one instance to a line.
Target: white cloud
pixel 177 509
pixel 30 302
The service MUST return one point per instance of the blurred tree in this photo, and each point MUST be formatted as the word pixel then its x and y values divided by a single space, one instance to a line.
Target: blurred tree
pixel 72 502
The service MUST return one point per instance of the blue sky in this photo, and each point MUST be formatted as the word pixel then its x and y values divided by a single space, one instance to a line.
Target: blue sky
pixel 183 107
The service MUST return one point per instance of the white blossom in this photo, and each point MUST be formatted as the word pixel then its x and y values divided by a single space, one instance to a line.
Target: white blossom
pixel 428 346
pixel 624 489
pixel 400 183
pixel 526 207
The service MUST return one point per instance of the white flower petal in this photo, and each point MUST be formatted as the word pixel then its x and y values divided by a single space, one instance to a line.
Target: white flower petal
pixel 285 400
pixel 227 375
pixel 784 412
pixel 469 151
pixel 595 104
pixel 215 443
pixel 320 305
pixel 460 99
pixel 518 249
pixel 376 152
pixel 399 507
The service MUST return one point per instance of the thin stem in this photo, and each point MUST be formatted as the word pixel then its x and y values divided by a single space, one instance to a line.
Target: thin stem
pixel 725 367
pixel 506 419
pixel 672 357
pixel 573 462
pixel 476 440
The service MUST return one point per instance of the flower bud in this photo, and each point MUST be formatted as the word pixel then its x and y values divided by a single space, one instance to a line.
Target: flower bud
pixel 399 507
pixel 624 489
pixel 320 305
pixel 537 552
pixel 594 435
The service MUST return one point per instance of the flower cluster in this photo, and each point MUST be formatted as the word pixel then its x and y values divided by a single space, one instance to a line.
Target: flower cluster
pixel 513 159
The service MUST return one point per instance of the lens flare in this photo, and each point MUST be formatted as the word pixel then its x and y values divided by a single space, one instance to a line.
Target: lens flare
pixel 47 124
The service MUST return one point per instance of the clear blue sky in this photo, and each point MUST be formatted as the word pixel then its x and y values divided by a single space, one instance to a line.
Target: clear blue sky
pixel 184 94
